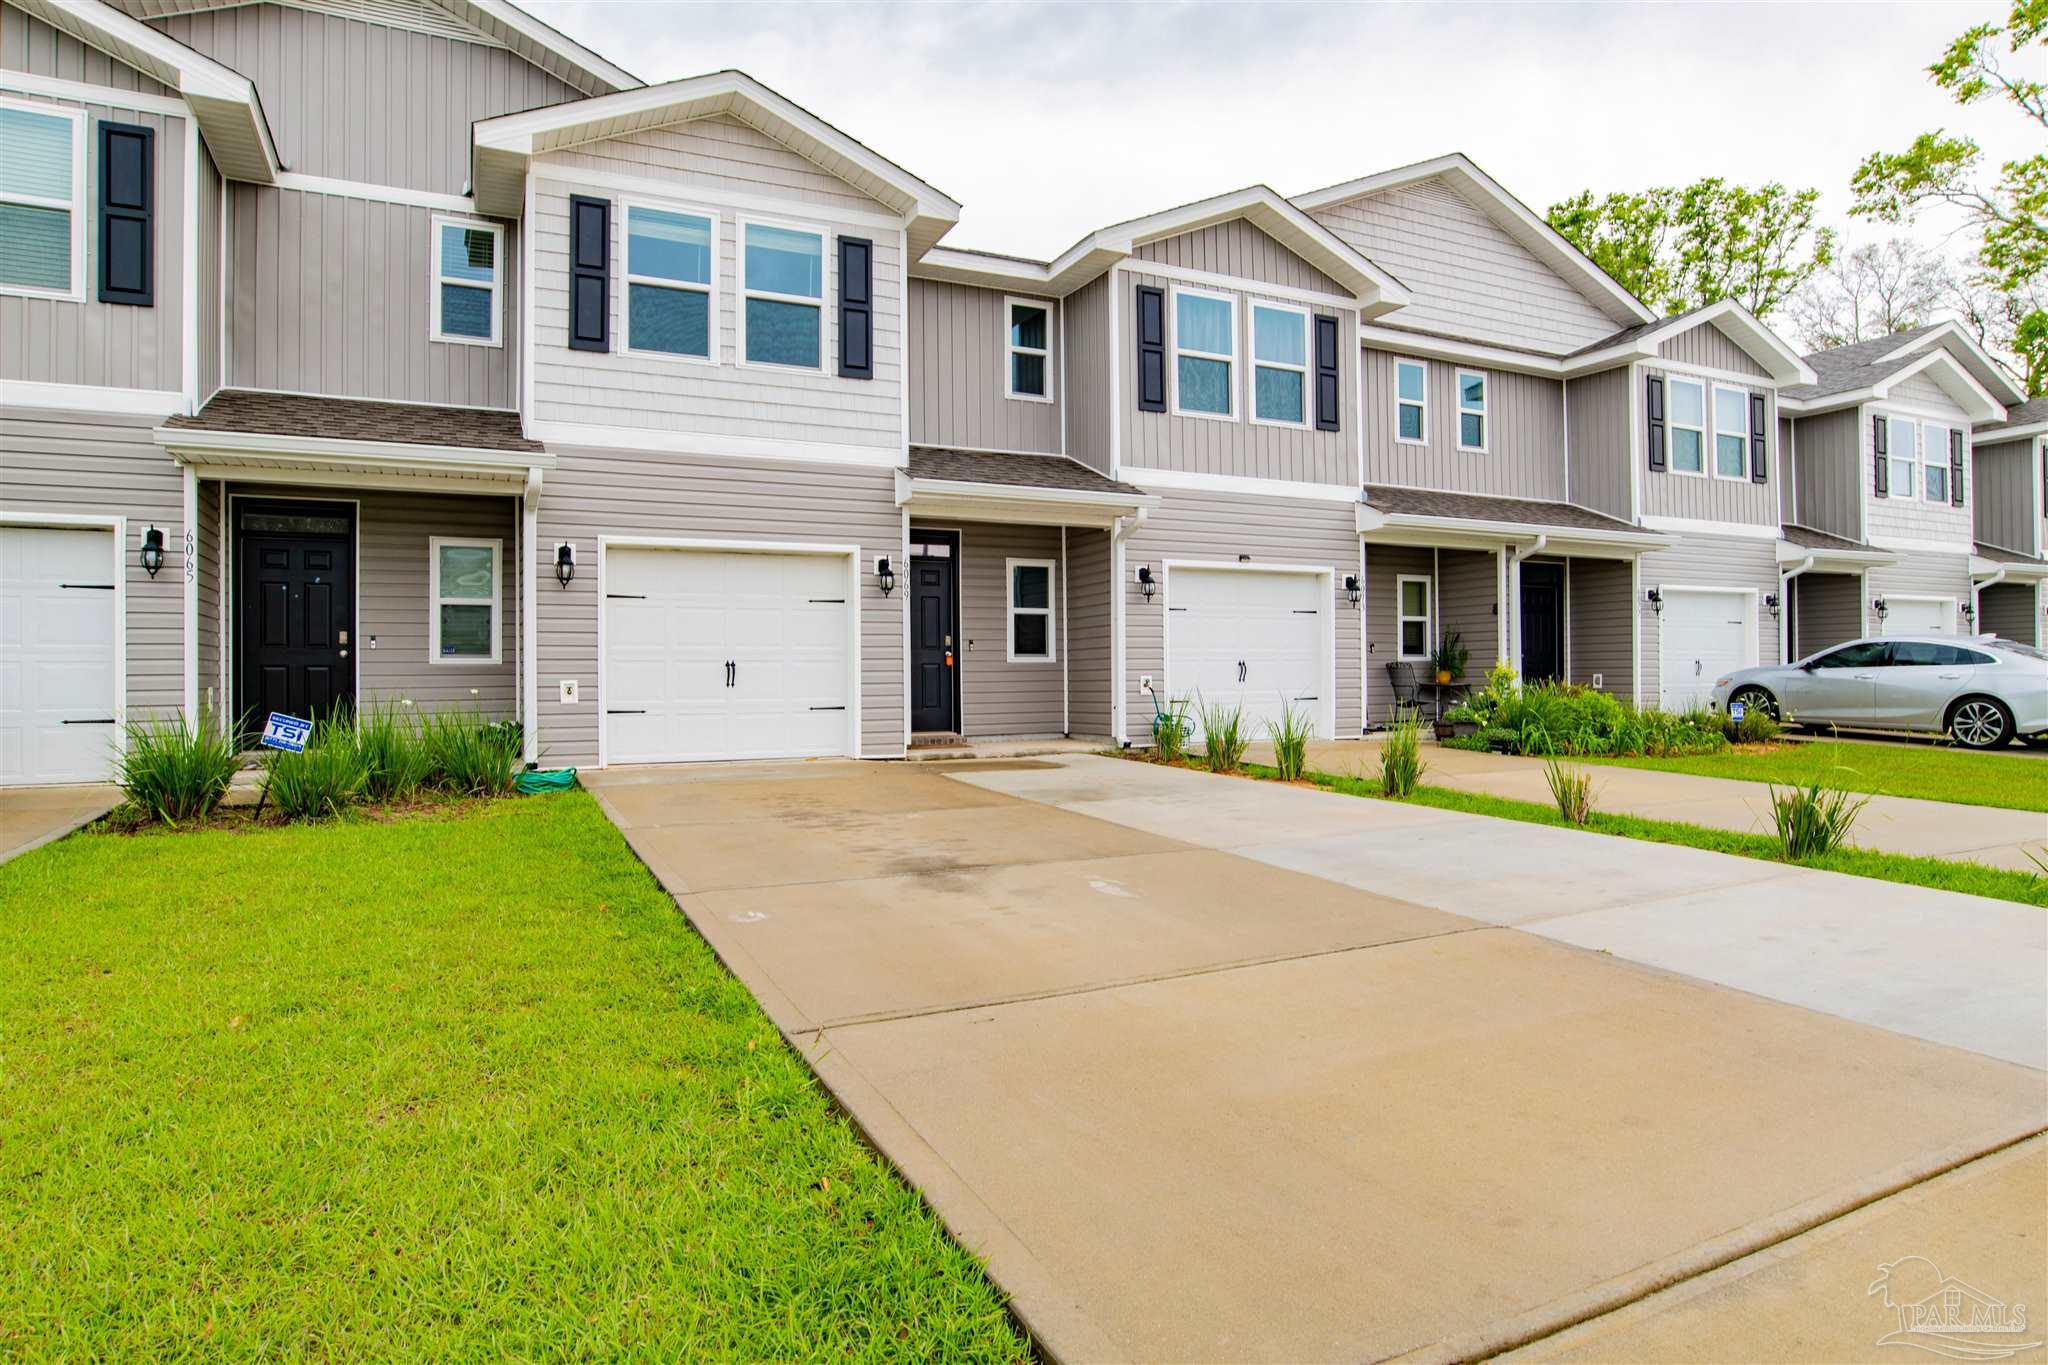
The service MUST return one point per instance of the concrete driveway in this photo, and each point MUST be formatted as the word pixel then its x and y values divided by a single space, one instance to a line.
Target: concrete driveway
pixel 33 816
pixel 1191 1103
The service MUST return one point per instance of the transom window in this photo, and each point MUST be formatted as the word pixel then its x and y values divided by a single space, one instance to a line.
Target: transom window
pixel 466 257
pixel 1031 610
pixel 463 584
pixel 42 190
pixel 1471 410
pixel 1411 404
pixel 1903 453
pixel 670 299
pixel 1029 346
pixel 1413 610
pixel 783 315
pixel 1688 403
pixel 1279 365
pixel 1934 462
pixel 1731 433
pixel 1204 349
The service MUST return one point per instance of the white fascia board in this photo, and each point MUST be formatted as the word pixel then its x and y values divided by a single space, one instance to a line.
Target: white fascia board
pixel 1998 435
pixel 1432 347
pixel 541 35
pixel 1958 377
pixel 2007 571
pixel 1782 364
pixel 1790 553
pixel 193 445
pixel 1372 519
pixel 1999 382
pixel 1265 209
pixel 921 495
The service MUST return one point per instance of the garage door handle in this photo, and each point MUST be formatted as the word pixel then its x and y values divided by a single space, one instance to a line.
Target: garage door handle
pixel 629 596
pixel 611 711
pixel 828 708
pixel 108 721
pixel 102 587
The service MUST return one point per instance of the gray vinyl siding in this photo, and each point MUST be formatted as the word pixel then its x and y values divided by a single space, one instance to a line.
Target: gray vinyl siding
pixel 2008 492
pixel 1468 582
pixel 1827 610
pixel 1600 601
pixel 29 44
pixel 1239 250
pixel 1708 496
pixel 1787 473
pixel 1162 440
pixel 1893 518
pixel 1919 573
pixel 2011 611
pixel 998 697
pixel 710 155
pixel 330 295
pixel 360 101
pixel 605 492
pixel 1468 276
pixel 1221 527
pixel 212 226
pixel 86 464
pixel 1828 463
pixel 213 560
pixel 1597 420
pixel 1709 562
pixel 1525 438
pixel 1922 391
pixel 1385 566
pixel 1090 628
pixel 1088 375
pixel 959 372
pixel 84 341
pixel 1711 348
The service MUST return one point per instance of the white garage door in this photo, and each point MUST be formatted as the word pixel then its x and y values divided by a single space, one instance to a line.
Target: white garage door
pixel 1254 638
pixel 57 703
pixel 1919 616
pixel 714 655
pixel 1705 635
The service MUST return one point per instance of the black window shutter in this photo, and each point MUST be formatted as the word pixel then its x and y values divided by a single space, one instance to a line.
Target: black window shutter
pixel 590 273
pixel 1653 405
pixel 1328 394
pixel 1758 472
pixel 1955 468
pixel 856 308
pixel 127 214
pixel 1151 348
pixel 1879 443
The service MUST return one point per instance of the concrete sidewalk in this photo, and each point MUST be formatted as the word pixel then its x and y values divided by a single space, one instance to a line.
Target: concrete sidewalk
pixel 33 816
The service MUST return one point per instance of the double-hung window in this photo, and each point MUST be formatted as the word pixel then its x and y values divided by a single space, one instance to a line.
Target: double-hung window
pixel 1029 349
pixel 1031 610
pixel 1204 351
pixel 1934 462
pixel 463 586
pixel 1411 402
pixel 1901 450
pixel 1413 617
pixel 1472 411
pixel 1731 433
pixel 783 315
pixel 670 299
pixel 42 199
pixel 1688 405
pixel 1279 365
pixel 467 258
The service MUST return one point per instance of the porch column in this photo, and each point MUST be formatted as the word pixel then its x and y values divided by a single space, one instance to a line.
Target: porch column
pixel 1635 631
pixel 1500 598
pixel 191 566
pixel 529 634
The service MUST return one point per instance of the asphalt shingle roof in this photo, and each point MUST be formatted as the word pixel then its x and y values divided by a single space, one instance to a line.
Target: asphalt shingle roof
pixel 2020 415
pixel 1808 538
pixel 248 412
pixel 1857 365
pixel 1427 502
pixel 2002 555
pixel 1061 472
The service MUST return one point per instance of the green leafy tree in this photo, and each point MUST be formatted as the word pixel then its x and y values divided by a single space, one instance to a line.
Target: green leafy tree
pixel 1683 247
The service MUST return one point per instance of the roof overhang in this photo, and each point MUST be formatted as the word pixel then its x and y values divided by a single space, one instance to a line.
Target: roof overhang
pixel 1781 363
pixel 355 464
pixel 2008 571
pixel 1957 382
pixel 1017 504
pixel 543 46
pixel 1377 527
pixel 503 147
pixel 1953 337
pixel 224 103
pixel 2021 432
pixel 1825 557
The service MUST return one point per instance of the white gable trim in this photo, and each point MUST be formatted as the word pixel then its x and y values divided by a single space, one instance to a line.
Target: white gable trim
pixel 1955 380
pixel 1987 371
pixel 1738 324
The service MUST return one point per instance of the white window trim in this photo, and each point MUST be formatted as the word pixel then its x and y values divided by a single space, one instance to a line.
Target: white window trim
pixel 76 206
pixel 828 272
pixel 1714 417
pixel 435 279
pixel 1176 350
pixel 1011 350
pixel 1911 459
pixel 624 342
pixel 1308 397
pixel 1927 463
pixel 1673 425
pixel 1401 618
pixel 434 601
pixel 1484 410
pixel 1422 405
pixel 1012 611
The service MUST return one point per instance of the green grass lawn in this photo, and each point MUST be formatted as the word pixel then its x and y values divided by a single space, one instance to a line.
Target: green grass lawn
pixel 457 1086
pixel 2014 780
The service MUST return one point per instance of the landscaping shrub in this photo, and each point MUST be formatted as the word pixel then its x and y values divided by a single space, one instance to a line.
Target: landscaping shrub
pixel 325 780
pixel 1755 727
pixel 1549 719
pixel 1290 742
pixel 396 762
pixel 1171 731
pixel 1813 820
pixel 470 756
pixel 1223 738
pixel 174 772
pixel 1401 764
pixel 1571 788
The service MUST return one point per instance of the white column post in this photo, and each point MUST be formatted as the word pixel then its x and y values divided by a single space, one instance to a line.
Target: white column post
pixel 529 634
pixel 191 605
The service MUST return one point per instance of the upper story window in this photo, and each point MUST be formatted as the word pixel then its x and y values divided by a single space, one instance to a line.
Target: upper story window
pixel 42 199
pixel 1688 403
pixel 1901 450
pixel 670 298
pixel 1471 411
pixel 1934 462
pixel 1029 347
pixel 1279 365
pixel 1731 433
pixel 1411 404
pixel 1204 350
pixel 783 317
pixel 466 281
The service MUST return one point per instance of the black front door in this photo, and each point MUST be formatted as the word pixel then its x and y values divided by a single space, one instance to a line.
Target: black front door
pixel 295 609
pixel 934 622
pixel 1542 622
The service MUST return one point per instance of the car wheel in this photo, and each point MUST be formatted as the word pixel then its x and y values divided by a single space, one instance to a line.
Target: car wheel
pixel 1756 699
pixel 1980 723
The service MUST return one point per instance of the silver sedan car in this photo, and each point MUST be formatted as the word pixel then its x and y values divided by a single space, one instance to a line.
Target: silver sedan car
pixel 1981 690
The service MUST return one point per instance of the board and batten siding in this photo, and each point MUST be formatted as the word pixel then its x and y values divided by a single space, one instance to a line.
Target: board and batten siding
pixel 1708 562
pixel 997 697
pixel 1090 602
pixel 1710 348
pixel 1831 473
pixel 1468 276
pixel 351 100
pixel 1239 250
pixel 1919 573
pixel 1707 496
pixel 1786 476
pixel 1088 373
pixel 212 227
pixel 2011 611
pixel 1385 566
pixel 593 493
pixel 1468 582
pixel 959 372
pixel 1525 455
pixel 1240 446
pixel 1827 610
pixel 28 44
pixel 1600 607
pixel 1894 520
pixel 1598 413
pixel 2008 491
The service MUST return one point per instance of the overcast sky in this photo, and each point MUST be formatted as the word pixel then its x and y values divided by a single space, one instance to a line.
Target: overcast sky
pixel 1047 121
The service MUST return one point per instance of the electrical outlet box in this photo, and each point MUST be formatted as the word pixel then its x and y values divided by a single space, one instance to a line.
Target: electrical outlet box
pixel 568 691
pixel 1599 681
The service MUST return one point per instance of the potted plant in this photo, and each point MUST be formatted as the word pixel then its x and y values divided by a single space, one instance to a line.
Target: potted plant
pixel 1460 722
pixel 1450 658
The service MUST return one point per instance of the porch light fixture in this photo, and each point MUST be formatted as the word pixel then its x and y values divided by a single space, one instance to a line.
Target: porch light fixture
pixel 565 563
pixel 152 550
pixel 1970 613
pixel 1351 588
pixel 885 576
pixel 1881 607
pixel 1771 601
pixel 1146 583
pixel 1655 598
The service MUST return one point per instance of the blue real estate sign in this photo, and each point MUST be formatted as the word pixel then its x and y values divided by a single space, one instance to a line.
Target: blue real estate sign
pixel 286 732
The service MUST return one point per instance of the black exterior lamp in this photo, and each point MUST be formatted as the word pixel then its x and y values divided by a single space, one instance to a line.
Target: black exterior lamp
pixel 1771 601
pixel 565 563
pixel 1351 588
pixel 885 576
pixel 1970 613
pixel 1656 600
pixel 1146 583
pixel 1881 607
pixel 152 550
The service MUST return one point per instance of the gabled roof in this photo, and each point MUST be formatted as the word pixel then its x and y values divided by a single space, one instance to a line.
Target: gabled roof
pixel 1868 371
pixel 1956 339
pixel 1515 218
pixel 2021 419
pixel 1740 325
pixel 503 145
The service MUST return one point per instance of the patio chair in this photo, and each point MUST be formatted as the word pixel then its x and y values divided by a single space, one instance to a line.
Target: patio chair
pixel 1408 687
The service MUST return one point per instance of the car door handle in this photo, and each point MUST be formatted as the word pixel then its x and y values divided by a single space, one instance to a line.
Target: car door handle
pixel 1950 676
pixel 1866 677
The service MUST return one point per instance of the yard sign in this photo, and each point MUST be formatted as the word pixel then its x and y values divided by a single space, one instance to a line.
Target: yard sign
pixel 286 732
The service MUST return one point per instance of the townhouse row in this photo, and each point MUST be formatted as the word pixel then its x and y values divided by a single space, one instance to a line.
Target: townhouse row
pixel 406 351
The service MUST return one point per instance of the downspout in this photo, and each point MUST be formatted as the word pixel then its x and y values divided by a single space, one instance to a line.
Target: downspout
pixel 1977 586
pixel 1118 533
pixel 1514 621
pixel 529 634
pixel 1785 608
